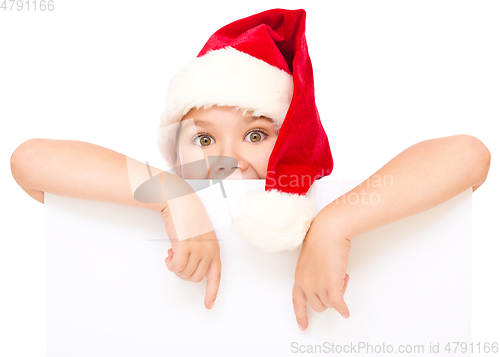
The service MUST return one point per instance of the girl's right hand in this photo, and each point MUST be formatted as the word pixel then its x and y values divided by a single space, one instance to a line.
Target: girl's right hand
pixel 193 258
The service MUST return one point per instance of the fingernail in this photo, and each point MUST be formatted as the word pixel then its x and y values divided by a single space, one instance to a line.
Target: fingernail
pixel 345 316
pixel 301 327
pixel 211 304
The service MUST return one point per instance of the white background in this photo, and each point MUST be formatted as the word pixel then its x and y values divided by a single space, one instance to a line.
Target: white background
pixel 387 75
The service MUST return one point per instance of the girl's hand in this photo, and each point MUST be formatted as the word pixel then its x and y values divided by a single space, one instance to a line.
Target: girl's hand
pixel 320 276
pixel 193 258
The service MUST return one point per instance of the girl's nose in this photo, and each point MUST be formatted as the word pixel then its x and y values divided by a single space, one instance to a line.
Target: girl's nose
pixel 227 162
pixel 222 166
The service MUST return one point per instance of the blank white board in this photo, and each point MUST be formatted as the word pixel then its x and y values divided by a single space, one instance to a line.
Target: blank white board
pixel 109 292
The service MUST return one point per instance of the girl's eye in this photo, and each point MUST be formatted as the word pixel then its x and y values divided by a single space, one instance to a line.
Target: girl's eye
pixel 255 136
pixel 204 140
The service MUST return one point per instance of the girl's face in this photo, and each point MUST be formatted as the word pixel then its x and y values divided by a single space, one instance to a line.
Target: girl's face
pixel 237 146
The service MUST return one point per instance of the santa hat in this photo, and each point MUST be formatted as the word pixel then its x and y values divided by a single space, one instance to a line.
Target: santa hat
pixel 261 64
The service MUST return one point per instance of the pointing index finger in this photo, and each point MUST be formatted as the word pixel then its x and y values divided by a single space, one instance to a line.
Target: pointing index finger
pixel 213 282
pixel 299 306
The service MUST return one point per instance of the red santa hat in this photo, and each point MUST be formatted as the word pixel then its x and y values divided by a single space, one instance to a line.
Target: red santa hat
pixel 261 64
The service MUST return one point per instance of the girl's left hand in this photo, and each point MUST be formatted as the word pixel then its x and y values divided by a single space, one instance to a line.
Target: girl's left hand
pixel 320 276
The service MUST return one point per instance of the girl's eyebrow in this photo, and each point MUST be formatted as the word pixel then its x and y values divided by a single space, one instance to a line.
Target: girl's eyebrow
pixel 252 118
pixel 203 123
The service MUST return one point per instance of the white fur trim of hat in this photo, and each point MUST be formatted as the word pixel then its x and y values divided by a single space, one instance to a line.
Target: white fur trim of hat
pixel 272 220
pixel 224 77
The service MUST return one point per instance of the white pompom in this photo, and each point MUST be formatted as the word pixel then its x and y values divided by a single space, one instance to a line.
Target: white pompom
pixel 272 220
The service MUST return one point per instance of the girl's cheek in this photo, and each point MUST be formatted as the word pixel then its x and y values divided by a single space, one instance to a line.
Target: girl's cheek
pixel 264 157
pixel 193 163
pixel 191 153
pixel 259 160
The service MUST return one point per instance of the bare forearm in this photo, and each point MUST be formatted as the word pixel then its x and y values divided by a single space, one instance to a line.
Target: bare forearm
pixel 421 177
pixel 77 169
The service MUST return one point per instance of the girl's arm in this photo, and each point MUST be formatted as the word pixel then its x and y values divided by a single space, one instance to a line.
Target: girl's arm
pixel 419 178
pixel 83 170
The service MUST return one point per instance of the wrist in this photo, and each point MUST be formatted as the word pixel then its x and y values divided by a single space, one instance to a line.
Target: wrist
pixel 171 187
pixel 339 227
pixel 188 215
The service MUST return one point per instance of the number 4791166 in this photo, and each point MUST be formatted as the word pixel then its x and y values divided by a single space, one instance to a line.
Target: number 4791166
pixel 27 5
pixel 464 347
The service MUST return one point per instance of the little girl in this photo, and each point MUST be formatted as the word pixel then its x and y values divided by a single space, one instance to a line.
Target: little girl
pixel 265 119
